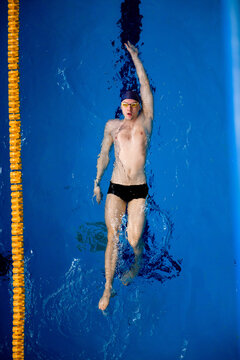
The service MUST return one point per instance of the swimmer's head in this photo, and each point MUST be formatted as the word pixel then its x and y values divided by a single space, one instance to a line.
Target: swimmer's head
pixel 131 94
pixel 130 104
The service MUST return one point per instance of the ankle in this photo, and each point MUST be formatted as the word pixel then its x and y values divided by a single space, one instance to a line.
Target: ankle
pixel 108 287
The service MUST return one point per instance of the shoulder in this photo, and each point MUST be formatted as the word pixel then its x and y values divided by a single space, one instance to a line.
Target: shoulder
pixel 112 124
pixel 110 127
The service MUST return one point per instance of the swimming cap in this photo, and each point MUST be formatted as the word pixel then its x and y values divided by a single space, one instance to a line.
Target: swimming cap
pixel 129 94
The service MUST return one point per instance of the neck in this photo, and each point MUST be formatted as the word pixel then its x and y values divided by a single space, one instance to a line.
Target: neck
pixel 130 120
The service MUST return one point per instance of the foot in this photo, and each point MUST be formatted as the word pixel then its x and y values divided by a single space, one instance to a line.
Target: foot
pixel 104 301
pixel 130 275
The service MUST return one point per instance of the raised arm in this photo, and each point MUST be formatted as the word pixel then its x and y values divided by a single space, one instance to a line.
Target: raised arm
pixel 145 90
pixel 103 159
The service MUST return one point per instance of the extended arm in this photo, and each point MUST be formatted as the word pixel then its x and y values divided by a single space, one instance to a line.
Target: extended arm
pixel 103 160
pixel 145 90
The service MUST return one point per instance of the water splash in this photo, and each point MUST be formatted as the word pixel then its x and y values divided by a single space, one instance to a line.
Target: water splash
pixel 158 264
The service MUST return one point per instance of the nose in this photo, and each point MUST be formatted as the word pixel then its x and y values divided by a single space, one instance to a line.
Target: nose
pixel 130 107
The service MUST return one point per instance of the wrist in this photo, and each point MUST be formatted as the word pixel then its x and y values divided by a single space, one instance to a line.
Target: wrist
pixel 134 56
pixel 96 182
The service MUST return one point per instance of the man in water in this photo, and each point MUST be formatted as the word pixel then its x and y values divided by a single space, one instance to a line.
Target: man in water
pixel 128 185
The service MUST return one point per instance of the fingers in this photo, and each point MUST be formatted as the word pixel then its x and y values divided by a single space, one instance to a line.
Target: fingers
pixel 99 198
pixel 97 192
pixel 131 48
pixel 128 44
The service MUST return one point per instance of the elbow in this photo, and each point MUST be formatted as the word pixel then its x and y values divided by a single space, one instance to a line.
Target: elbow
pixel 103 160
pixel 106 160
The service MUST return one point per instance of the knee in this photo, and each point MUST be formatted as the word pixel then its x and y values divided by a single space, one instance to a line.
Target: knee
pixel 113 232
pixel 134 237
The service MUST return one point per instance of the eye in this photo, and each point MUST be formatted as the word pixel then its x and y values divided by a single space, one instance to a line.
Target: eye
pixel 132 105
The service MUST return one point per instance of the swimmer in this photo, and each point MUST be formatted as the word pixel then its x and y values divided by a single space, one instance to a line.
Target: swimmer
pixel 128 185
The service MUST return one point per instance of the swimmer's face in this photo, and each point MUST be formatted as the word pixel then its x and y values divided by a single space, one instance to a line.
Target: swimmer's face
pixel 130 108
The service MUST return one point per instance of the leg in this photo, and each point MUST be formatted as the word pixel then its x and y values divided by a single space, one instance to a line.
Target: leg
pixel 114 210
pixel 136 221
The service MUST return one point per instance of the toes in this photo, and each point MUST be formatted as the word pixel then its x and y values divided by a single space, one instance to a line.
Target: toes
pixel 126 279
pixel 103 303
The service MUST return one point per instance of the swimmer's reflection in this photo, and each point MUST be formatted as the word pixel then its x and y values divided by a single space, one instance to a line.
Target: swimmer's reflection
pixel 128 186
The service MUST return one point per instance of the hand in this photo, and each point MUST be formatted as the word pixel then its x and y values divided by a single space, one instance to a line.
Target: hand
pixel 97 192
pixel 132 49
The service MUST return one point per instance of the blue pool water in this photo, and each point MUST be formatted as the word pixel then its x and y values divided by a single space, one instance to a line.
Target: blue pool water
pixel 183 304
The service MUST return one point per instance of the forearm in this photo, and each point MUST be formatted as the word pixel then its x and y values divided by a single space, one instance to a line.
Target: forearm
pixel 102 164
pixel 141 73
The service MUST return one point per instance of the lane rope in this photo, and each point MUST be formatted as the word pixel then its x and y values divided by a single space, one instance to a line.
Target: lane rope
pixel 16 181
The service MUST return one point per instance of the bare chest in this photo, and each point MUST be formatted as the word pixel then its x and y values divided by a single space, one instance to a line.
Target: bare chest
pixel 127 136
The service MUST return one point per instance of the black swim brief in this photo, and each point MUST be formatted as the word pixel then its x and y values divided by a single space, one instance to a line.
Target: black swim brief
pixel 128 192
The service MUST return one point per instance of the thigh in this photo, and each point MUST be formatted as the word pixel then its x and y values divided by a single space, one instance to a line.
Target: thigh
pixel 136 218
pixel 115 208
